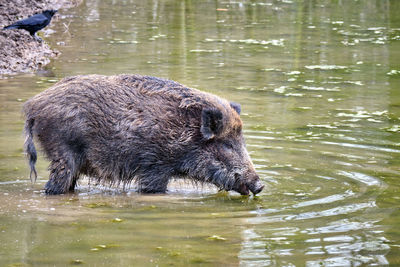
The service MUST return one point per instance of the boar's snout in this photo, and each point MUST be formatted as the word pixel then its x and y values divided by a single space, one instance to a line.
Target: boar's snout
pixel 253 184
pixel 256 187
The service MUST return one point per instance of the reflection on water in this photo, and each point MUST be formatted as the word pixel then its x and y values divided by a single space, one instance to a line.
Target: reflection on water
pixel 319 84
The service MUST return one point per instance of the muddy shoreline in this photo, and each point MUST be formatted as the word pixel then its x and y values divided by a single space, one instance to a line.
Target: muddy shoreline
pixel 19 52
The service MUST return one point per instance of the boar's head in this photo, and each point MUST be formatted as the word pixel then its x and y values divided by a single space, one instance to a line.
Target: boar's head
pixel 218 154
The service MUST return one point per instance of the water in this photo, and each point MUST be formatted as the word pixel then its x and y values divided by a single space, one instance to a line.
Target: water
pixel 319 84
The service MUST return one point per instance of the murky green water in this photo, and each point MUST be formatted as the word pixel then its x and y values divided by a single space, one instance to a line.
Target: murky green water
pixel 319 84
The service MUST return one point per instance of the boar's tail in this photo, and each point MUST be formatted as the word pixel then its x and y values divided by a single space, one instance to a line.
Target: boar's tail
pixel 30 149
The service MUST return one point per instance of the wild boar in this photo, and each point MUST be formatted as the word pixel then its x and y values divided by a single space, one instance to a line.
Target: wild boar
pixel 124 128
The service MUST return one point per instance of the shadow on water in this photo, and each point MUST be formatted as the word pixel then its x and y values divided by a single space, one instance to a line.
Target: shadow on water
pixel 319 86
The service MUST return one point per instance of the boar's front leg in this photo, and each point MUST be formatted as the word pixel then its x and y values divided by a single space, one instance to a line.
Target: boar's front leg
pixel 63 177
pixel 153 182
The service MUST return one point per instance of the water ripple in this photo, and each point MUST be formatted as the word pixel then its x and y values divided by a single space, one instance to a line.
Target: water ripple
pixel 325 200
pixel 341 226
pixel 361 177
pixel 376 148
pixel 346 209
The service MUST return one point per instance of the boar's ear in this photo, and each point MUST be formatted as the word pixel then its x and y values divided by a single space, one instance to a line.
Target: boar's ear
pixel 236 106
pixel 211 123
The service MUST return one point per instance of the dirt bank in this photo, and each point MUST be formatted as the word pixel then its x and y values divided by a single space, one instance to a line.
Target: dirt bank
pixel 19 52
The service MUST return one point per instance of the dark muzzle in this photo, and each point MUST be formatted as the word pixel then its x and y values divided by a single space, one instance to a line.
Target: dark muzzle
pixel 254 186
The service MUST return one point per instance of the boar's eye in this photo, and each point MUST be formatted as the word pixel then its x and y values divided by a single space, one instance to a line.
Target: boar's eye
pixel 227 145
pixel 211 123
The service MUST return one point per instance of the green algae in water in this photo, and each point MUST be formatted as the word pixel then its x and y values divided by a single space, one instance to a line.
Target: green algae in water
pixel 216 238
pixel 199 261
pixel 117 220
pixel 97 205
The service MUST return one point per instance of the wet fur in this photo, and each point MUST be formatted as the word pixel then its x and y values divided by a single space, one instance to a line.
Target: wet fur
pixel 119 129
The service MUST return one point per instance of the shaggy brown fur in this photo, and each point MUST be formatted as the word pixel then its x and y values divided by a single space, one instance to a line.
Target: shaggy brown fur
pixel 129 127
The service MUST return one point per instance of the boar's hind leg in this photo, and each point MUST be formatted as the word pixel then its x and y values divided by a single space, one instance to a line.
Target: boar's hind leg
pixel 63 177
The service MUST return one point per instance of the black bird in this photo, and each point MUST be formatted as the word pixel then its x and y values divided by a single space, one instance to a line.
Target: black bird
pixel 33 23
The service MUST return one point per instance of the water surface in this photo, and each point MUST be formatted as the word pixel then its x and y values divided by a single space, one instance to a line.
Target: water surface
pixel 319 84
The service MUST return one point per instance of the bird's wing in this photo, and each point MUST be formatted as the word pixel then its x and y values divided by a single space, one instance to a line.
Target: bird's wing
pixel 37 19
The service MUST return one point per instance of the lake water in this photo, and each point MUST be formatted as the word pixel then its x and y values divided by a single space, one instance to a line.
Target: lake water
pixel 319 85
